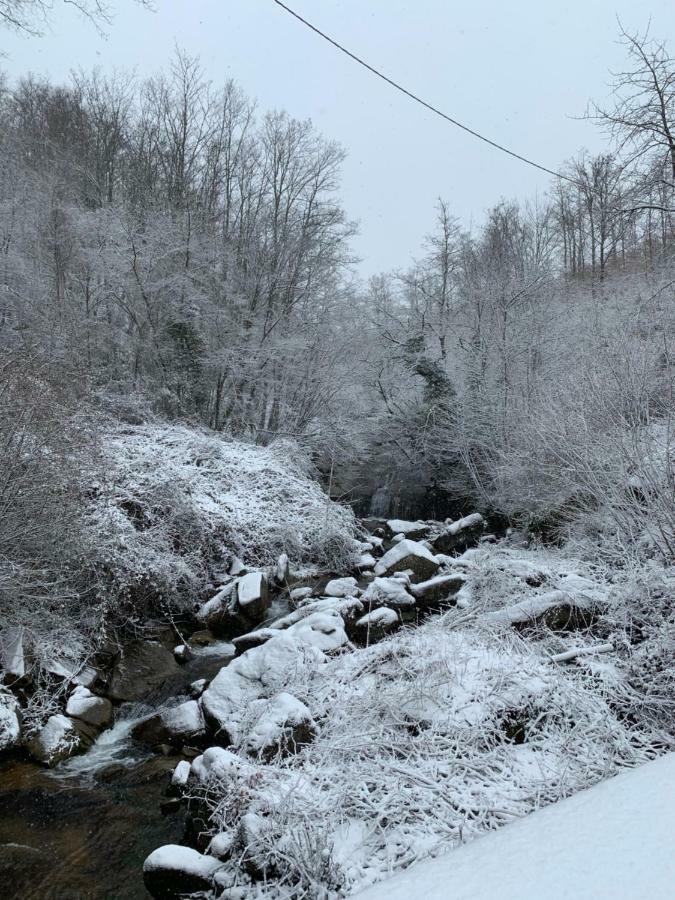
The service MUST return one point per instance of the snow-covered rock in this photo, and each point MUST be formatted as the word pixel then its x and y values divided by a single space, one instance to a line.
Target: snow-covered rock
pixel 216 764
pixel 256 672
pixel 221 844
pixel 438 590
pixel 177 726
pixel 11 652
pixel 172 871
pixel 377 624
pixel 459 535
pixel 93 710
pixel 282 723
pixel 282 569
pixel 555 609
pixel 366 561
pixel 391 592
pixel 408 555
pixel 342 587
pixel 300 593
pixel 253 596
pixel 10 723
pixel 412 530
pixel 180 775
pixel 181 653
pixel 58 739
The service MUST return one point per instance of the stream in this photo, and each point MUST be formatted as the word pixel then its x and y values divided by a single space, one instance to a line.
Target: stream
pixel 82 830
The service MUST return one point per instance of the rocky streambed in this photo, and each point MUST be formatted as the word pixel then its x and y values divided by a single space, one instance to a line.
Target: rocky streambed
pixel 84 827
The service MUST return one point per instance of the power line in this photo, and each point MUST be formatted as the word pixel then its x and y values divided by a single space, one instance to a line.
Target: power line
pixel 429 106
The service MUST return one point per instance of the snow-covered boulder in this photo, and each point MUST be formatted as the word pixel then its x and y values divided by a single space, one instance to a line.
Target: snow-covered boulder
pixel 11 652
pixel 177 726
pixel 58 739
pixel 459 535
pixel 141 667
pixel 179 777
pixel 216 764
pixel 10 722
pixel 439 590
pixel 298 594
pixel 282 570
pixel 261 670
pixel 415 531
pixel 89 708
pixel 392 592
pixel 408 555
pixel 341 587
pixel 365 561
pixel 556 610
pixel 377 624
pixel 282 723
pixel 172 871
pixel 253 596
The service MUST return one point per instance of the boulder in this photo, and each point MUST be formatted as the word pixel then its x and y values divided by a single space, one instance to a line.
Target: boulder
pixel 282 724
pixel 438 591
pixel 181 653
pixel 415 531
pixel 11 653
pixel 458 536
pixel 218 614
pixel 89 708
pixel 139 668
pixel 179 725
pixel 554 609
pixel 298 594
pixel 376 625
pixel 253 596
pixel 58 739
pixel 408 555
pixel 179 777
pixel 10 721
pixel 341 587
pixel 282 569
pixel 172 871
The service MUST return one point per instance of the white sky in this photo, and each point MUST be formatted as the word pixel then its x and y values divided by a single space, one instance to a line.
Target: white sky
pixel 517 71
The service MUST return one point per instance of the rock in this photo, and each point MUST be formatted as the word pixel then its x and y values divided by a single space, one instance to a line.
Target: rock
pixel 89 708
pixel 391 592
pixel 172 871
pixel 408 555
pixel 219 613
pixel 10 721
pixel 283 724
pixel 58 739
pixel 237 568
pixel 253 596
pixel 198 687
pixel 298 594
pixel 374 525
pixel 179 777
pixel 181 653
pixel 182 724
pixel 460 535
pixel 282 569
pixel 366 561
pixel 377 624
pixel 438 591
pixel 11 653
pixel 141 667
pixel 221 844
pixel 341 587
pixel 554 609
pixel 412 530
pixel 203 638
pixel 86 677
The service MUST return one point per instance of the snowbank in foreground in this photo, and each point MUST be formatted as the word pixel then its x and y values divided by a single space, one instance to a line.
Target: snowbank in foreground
pixel 614 840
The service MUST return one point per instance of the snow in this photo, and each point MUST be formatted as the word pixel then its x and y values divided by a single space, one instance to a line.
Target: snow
pixel 273 717
pixel 250 588
pixel 366 561
pixel 11 652
pixel 82 704
pixel 10 728
pixel 400 552
pixel 614 840
pixel 472 521
pixel 389 591
pixel 379 617
pixel 401 526
pixel 175 858
pixel 181 773
pixel 341 587
pixel 216 764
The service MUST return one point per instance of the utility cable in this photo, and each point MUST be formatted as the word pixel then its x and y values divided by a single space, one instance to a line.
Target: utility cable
pixel 429 106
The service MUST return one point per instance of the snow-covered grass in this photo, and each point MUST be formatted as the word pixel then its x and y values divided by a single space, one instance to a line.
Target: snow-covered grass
pixel 434 736
pixel 614 840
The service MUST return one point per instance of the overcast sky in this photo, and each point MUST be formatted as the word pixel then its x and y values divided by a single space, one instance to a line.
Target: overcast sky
pixel 518 72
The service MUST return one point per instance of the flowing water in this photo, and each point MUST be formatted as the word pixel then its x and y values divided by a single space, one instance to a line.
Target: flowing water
pixel 82 830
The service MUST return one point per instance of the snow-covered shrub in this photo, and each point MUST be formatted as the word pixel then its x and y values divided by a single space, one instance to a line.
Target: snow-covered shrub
pixel 425 740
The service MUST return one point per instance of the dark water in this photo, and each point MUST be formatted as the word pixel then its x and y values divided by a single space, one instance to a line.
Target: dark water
pixel 82 830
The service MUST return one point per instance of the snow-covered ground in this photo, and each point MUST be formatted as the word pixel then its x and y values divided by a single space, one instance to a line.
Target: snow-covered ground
pixel 614 841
